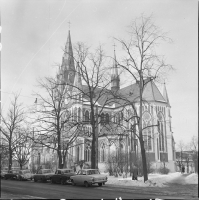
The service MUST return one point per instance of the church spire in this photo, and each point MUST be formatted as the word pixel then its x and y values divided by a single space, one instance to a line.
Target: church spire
pixel 115 80
pixel 68 66
pixel 165 95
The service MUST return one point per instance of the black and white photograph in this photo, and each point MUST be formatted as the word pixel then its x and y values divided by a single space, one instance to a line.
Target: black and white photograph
pixel 99 99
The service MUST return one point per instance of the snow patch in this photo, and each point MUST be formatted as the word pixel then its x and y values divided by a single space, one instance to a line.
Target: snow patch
pixel 155 180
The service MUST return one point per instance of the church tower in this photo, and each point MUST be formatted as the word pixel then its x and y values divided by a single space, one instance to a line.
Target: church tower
pixel 115 79
pixel 68 66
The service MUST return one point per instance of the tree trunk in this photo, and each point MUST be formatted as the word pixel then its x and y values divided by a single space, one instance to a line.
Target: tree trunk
pixel 10 157
pixel 93 151
pixel 144 163
pixel 21 166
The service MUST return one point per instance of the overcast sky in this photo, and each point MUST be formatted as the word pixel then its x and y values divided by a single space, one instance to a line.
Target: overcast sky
pixel 35 31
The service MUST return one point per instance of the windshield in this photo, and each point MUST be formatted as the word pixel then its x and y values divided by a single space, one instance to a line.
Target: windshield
pixel 26 172
pixel 90 172
pixel 67 171
pixel 45 171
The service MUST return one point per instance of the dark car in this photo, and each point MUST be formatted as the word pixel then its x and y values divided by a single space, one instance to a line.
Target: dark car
pixel 3 172
pixel 62 176
pixel 43 175
pixel 12 174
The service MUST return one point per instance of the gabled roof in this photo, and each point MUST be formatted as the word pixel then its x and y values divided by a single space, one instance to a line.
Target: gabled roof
pixel 151 94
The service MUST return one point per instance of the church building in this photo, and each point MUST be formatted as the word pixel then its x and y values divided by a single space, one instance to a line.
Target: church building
pixel 158 140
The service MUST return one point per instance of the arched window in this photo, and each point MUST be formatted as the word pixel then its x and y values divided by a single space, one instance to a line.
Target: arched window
pixel 102 152
pixel 102 118
pixel 79 114
pixel 147 131
pixel 87 153
pixel 162 134
pixel 87 116
pixel 75 114
pixel 107 118
pixel 78 153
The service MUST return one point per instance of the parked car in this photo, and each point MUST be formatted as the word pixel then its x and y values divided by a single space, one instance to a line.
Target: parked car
pixel 88 177
pixel 12 174
pixel 43 175
pixel 3 172
pixel 62 176
pixel 24 175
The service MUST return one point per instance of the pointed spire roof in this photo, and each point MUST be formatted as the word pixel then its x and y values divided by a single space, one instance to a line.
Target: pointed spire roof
pixel 68 66
pixel 114 72
pixel 165 95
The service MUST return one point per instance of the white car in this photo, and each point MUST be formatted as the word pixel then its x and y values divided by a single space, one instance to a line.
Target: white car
pixel 88 177
pixel 24 175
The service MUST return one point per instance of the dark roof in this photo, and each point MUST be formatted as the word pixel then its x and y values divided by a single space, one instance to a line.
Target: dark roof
pixel 151 94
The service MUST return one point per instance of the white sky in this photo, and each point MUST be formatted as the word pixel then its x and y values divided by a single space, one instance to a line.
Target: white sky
pixel 35 31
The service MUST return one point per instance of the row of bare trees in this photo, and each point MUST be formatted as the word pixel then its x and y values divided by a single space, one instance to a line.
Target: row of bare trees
pixel 58 128
pixel 187 154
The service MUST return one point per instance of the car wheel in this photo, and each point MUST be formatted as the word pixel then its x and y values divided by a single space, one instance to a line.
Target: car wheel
pixel 86 184
pixel 100 184
pixel 73 183
pixel 52 181
pixel 63 181
pixel 35 180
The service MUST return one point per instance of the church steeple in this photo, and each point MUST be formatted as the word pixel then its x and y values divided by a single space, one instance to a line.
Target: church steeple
pixel 68 66
pixel 165 95
pixel 115 80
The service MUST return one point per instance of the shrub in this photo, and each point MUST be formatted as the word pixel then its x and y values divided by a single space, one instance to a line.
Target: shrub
pixel 163 170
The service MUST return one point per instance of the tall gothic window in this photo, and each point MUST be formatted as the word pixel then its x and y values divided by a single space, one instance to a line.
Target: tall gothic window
pixel 147 131
pixel 161 129
pixel 102 152
pixel 107 118
pixel 79 114
pixel 87 116
pixel 87 153
pixel 75 114
pixel 78 153
pixel 102 118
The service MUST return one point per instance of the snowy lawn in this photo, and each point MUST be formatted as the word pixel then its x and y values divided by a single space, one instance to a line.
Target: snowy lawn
pixel 155 180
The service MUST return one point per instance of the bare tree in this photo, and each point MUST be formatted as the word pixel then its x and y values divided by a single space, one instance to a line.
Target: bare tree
pixel 55 127
pixel 180 155
pixel 194 147
pixel 91 71
pixel 23 149
pixel 142 63
pixel 11 123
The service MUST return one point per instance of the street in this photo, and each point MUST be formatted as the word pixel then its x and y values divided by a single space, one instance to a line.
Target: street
pixel 29 189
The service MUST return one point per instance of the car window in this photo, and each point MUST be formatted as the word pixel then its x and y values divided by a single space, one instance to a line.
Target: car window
pixel 83 172
pixel 59 172
pixel 39 172
pixel 26 171
pixel 47 171
pixel 67 171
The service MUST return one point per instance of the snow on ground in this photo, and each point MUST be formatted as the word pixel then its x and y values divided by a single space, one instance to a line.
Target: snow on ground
pixel 155 180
